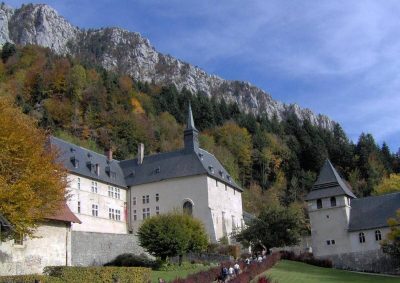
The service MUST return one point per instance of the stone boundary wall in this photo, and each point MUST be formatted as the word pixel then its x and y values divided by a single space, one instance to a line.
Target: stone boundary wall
pixel 367 261
pixel 89 249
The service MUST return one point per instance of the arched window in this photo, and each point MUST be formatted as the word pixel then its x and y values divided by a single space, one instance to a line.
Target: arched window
pixel 361 237
pixel 188 208
pixel 333 201
pixel 319 203
pixel 378 235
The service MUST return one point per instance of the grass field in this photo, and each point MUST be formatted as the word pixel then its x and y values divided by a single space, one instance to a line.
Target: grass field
pixel 171 275
pixel 296 272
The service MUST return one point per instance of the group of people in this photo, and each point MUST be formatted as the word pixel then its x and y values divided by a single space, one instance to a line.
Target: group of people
pixel 227 273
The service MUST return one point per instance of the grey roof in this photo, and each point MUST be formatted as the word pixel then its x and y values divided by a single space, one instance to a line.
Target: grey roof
pixel 181 163
pixel 189 161
pixel 329 184
pixel 373 212
pixel 110 171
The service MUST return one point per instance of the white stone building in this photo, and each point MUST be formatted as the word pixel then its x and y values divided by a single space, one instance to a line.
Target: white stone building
pixel 110 199
pixel 346 229
pixel 50 246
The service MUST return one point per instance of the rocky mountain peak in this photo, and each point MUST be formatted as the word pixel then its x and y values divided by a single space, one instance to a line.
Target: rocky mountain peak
pixel 128 52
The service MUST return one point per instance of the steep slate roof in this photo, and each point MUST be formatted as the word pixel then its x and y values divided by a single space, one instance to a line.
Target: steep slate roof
pixel 87 160
pixel 189 161
pixel 181 163
pixel 329 184
pixel 373 212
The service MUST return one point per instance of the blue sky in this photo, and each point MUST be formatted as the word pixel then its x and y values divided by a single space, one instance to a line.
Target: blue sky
pixel 339 58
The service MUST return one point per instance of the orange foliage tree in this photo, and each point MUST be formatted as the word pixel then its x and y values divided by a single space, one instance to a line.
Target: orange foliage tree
pixel 32 182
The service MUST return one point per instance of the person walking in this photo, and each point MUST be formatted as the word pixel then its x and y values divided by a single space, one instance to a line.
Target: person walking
pixel 236 267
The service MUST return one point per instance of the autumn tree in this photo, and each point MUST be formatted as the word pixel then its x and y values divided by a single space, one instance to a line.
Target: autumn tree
pixel 32 183
pixel 390 184
pixel 172 234
pixel 391 245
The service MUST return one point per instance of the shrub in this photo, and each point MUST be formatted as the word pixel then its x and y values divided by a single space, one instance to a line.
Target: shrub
pixel 99 274
pixel 29 279
pixel 306 258
pixel 130 260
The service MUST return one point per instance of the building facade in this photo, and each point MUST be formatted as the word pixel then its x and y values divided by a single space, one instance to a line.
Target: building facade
pixel 346 229
pixel 51 246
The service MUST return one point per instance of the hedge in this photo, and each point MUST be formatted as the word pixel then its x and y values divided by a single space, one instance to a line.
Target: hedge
pixel 30 279
pixel 306 258
pixel 105 274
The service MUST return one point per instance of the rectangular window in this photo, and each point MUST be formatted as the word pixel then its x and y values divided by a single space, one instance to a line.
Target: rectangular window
pixel 79 183
pixel 134 215
pixel 95 210
pixel 111 214
pixel 117 193
pixel 147 199
pixel 134 200
pixel 144 213
pixel 79 207
pixel 157 197
pixel 144 199
pixel 148 212
pixel 157 210
pixel 118 214
pixel 94 187
pixel 333 242
pixel 110 191
pixel 328 242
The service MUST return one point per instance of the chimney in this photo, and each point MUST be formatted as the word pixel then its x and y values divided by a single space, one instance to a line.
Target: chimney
pixel 109 154
pixel 140 153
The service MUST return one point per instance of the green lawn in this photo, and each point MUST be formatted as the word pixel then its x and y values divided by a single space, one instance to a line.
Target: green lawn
pixel 171 275
pixel 296 272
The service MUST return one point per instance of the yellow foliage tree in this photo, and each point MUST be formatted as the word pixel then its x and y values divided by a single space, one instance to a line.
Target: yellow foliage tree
pixel 32 183
pixel 390 184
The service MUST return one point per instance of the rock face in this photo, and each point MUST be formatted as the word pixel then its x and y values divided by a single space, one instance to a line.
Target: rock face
pixel 128 52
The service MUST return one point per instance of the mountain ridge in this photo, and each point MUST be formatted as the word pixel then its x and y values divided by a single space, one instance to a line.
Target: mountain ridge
pixel 118 49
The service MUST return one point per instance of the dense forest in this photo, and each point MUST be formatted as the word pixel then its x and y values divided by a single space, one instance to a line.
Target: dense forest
pixel 275 161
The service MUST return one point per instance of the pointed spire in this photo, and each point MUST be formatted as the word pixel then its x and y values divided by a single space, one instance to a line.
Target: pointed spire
pixel 191 134
pixel 329 180
pixel 190 121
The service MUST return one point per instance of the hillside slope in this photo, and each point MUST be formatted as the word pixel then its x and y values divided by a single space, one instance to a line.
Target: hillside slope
pixel 128 52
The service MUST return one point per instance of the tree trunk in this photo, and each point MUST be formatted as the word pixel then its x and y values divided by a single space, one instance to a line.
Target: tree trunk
pixel 180 260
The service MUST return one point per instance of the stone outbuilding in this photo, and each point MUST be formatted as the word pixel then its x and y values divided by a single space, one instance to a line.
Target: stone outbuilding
pixel 346 229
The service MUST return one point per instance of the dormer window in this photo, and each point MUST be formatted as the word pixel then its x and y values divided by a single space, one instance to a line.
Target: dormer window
pixel 221 173
pixel 201 156
pixel 211 169
pixel 228 178
pixel 75 162
pixel 333 201
pixel 158 170
pixel 319 203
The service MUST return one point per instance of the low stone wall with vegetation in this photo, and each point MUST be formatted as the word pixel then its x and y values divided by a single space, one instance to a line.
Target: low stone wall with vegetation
pixel 368 261
pixel 100 274
pixel 62 274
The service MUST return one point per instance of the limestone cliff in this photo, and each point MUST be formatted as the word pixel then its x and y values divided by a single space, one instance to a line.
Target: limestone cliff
pixel 129 52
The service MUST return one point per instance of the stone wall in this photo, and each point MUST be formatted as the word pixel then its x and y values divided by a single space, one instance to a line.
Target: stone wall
pixel 50 246
pixel 90 248
pixel 368 261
